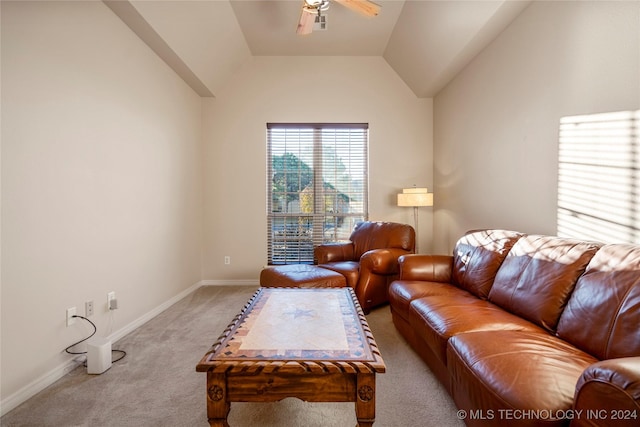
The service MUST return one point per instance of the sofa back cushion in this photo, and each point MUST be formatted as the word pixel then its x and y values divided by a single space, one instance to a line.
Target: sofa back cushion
pixel 602 317
pixel 538 275
pixel 370 235
pixel 477 257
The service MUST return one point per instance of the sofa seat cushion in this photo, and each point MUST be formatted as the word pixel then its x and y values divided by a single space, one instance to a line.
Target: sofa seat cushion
pixel 515 370
pixel 349 269
pixel 402 292
pixel 437 318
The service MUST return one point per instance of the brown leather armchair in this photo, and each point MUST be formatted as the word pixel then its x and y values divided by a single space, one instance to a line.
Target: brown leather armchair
pixel 369 261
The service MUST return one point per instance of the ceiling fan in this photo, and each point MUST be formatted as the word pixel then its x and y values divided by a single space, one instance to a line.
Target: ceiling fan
pixel 314 8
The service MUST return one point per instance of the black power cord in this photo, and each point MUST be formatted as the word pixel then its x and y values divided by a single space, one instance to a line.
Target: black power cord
pixel 95 329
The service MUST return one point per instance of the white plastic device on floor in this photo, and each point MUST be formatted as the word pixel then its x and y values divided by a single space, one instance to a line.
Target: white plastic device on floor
pixel 98 355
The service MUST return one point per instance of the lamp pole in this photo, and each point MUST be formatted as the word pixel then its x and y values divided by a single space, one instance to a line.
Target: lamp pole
pixel 415 220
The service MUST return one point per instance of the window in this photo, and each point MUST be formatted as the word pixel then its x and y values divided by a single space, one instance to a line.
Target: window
pixel 599 177
pixel 317 187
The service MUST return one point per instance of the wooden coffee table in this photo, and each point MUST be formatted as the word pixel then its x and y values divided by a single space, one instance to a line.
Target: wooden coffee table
pixel 313 344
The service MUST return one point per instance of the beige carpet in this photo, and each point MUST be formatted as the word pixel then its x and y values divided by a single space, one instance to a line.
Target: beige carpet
pixel 156 383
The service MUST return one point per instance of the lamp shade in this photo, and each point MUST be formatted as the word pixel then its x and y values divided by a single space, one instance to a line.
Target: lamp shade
pixel 414 197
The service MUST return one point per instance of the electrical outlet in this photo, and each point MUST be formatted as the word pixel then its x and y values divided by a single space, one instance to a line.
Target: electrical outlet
pixel 88 308
pixel 110 296
pixel 227 260
pixel 70 313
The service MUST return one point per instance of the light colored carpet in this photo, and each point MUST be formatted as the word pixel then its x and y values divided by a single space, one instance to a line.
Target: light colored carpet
pixel 156 383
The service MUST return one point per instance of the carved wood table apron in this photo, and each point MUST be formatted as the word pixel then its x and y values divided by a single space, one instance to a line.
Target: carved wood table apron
pixel 312 344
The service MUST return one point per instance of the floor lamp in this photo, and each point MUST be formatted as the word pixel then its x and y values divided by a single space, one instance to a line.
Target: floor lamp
pixel 415 198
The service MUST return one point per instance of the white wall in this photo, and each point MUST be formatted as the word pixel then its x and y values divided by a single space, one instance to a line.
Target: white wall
pixel 305 89
pixel 101 182
pixel 496 124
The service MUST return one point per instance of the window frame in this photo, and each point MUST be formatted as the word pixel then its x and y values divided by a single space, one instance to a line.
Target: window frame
pixel 311 228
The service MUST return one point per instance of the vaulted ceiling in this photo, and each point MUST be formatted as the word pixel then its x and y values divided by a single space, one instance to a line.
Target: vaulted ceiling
pixel 426 42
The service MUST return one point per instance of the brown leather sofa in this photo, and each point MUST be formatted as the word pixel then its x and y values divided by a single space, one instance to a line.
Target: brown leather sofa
pixel 369 261
pixel 527 330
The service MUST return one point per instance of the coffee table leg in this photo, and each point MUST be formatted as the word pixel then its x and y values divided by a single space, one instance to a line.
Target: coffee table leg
pixel 366 399
pixel 218 405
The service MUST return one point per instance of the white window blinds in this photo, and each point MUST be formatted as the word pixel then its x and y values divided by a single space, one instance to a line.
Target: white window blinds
pixel 317 187
pixel 599 177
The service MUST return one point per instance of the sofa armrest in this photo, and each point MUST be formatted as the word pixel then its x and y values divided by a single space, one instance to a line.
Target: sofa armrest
pixel 609 390
pixel 333 252
pixel 428 268
pixel 382 261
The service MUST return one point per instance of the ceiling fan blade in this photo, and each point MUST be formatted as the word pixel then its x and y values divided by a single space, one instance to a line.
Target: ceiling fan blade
pixel 307 18
pixel 365 7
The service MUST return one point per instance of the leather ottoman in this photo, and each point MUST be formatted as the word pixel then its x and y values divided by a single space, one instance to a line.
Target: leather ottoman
pixel 301 276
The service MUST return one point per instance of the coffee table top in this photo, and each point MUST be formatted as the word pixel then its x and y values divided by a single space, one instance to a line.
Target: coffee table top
pixel 317 329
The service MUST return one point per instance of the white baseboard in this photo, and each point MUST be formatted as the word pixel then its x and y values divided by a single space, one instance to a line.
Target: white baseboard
pixel 60 371
pixel 37 385
pixel 115 336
